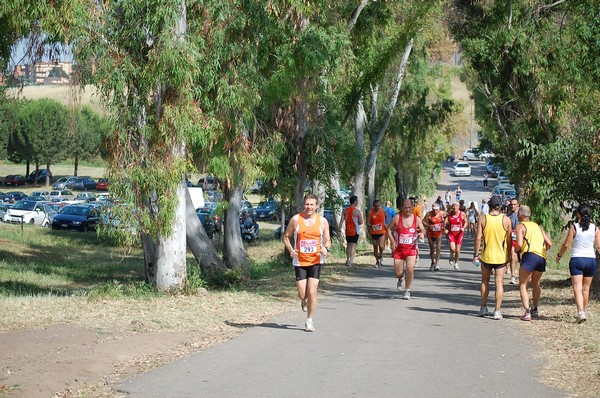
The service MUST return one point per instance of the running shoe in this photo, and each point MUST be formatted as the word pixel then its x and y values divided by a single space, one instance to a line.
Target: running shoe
pixel 513 280
pixel 309 326
pixel 406 295
pixel 526 316
pixel 483 311
pixel 497 315
pixel 303 305
pixel 456 267
pixel 534 312
pixel 581 317
pixel 451 263
pixel 436 268
pixel 399 284
pixel 432 268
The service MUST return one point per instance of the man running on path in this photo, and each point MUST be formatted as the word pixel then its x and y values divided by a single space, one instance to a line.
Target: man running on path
pixel 353 220
pixel 448 197
pixel 494 235
pixel 434 223
pixel 455 230
pixel 376 224
pixel 310 234
pixel 458 193
pixel 532 243
pixel 404 230
pixel 389 214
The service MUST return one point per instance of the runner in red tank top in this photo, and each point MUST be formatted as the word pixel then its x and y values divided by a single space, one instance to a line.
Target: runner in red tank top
pixel 455 229
pixel 403 231
pixel 434 222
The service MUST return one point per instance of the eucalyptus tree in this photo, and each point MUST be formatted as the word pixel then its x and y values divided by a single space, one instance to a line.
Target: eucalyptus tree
pixel 384 37
pixel 537 66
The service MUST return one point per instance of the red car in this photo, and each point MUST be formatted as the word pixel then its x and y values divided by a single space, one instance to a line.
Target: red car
pixel 15 180
pixel 102 184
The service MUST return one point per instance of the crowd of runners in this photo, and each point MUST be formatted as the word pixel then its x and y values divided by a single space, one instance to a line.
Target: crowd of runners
pixel 505 239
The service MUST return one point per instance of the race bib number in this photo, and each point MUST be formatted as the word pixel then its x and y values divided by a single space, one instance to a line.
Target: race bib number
pixel 377 227
pixel 309 246
pixel 405 239
pixel 455 228
pixel 436 227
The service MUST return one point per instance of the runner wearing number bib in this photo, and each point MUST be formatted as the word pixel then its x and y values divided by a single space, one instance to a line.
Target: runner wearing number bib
pixel 434 223
pixel 309 233
pixel 404 230
pixel 455 229
pixel 376 224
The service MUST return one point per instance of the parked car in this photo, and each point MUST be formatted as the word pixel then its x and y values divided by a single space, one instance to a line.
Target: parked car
pixel 28 212
pixel 267 211
pixel 3 210
pixel 218 223
pixel 209 183
pixel 462 169
pixel 470 154
pixel 84 183
pixel 60 195
pixel 495 169
pixel 207 221
pixel 502 177
pixel 213 196
pixel 247 207
pixel 256 187
pixel 34 198
pixel 64 183
pixel 86 197
pixel 13 196
pixel 506 190
pixel 15 180
pixel 38 176
pixel 102 184
pixel 77 217
pixel 489 166
pixel 42 194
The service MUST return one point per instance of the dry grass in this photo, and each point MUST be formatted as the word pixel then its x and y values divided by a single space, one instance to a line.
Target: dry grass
pixel 571 352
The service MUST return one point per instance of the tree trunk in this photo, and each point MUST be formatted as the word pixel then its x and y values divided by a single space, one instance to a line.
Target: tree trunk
pixel 595 288
pixel 149 246
pixel 360 127
pixel 199 244
pixel 234 253
pixel 47 179
pixel 300 113
pixel 76 165
pixel 401 189
pixel 171 266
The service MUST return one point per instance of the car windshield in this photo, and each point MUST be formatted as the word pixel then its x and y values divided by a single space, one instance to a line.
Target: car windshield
pixel 204 210
pixel 266 205
pixel 462 165
pixel 24 205
pixel 75 210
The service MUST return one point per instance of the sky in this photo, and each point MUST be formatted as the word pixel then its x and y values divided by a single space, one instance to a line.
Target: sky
pixel 18 54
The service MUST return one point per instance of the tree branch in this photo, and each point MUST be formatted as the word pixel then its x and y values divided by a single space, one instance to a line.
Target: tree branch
pixel 356 13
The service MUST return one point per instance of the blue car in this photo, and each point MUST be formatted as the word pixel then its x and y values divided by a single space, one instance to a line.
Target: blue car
pixel 78 217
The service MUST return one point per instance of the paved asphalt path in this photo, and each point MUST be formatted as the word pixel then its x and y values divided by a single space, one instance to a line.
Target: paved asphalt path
pixel 370 343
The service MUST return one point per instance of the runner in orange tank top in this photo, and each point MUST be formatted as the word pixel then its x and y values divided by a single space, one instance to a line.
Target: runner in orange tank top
pixel 376 224
pixel 353 219
pixel 310 234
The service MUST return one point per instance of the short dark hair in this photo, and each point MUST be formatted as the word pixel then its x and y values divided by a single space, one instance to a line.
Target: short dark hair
pixel 375 201
pixel 311 196
pixel 353 199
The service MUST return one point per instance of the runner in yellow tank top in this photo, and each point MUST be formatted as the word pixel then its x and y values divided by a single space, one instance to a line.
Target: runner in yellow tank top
pixel 495 231
pixel 532 243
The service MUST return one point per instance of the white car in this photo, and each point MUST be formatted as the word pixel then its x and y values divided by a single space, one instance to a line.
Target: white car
pixel 462 169
pixel 28 212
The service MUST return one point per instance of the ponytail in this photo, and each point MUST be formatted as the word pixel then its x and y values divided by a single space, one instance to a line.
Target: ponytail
pixel 585 211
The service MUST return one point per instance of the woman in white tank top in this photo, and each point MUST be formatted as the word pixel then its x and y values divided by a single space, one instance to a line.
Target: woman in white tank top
pixel 584 235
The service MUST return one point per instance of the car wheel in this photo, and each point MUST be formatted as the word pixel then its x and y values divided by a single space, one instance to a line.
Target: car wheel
pixel 32 221
pixel 84 228
pixel 465 158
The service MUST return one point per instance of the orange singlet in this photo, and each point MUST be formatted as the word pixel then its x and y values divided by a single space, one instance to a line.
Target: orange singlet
pixel 435 227
pixel 377 221
pixel 352 227
pixel 308 243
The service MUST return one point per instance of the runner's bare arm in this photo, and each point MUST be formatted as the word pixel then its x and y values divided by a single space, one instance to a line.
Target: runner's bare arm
pixel 508 228
pixel 420 228
pixel 480 226
pixel 547 240
pixel 520 231
pixel 390 229
pixel 289 232
pixel 567 243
